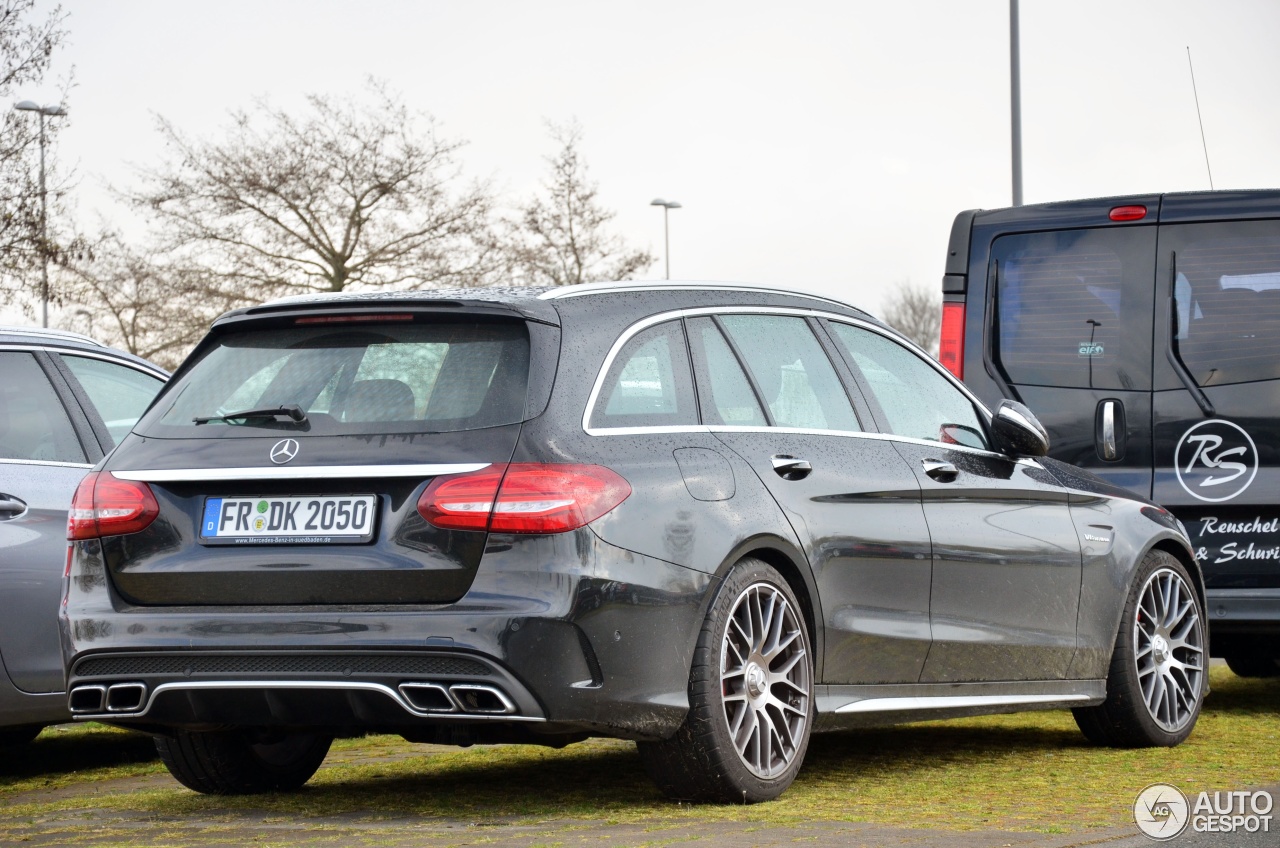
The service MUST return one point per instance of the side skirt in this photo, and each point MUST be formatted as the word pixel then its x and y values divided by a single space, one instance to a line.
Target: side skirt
pixel 841 707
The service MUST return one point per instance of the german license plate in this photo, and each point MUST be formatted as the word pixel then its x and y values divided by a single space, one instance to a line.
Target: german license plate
pixel 294 520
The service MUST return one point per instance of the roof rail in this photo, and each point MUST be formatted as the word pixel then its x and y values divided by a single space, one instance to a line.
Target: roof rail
pixel 49 333
pixel 582 289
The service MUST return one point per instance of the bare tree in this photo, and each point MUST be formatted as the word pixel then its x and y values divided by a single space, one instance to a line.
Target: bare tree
pixel 916 312
pixel 350 194
pixel 27 47
pixel 562 238
pixel 139 302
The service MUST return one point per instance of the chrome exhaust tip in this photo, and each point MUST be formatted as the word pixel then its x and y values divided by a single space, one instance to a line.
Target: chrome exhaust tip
pixel 482 700
pixel 428 697
pixel 87 699
pixel 126 697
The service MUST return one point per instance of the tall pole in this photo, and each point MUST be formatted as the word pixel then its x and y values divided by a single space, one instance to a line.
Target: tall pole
pixel 1015 101
pixel 44 237
pixel 667 206
pixel 666 238
pixel 53 110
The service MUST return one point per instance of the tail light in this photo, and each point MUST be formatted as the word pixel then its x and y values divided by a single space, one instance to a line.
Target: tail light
pixel 523 497
pixel 1128 213
pixel 105 505
pixel 951 344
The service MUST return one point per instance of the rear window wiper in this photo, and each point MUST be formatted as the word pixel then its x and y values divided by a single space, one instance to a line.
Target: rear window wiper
pixel 290 410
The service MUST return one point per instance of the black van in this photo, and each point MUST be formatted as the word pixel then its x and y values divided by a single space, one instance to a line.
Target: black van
pixel 1144 332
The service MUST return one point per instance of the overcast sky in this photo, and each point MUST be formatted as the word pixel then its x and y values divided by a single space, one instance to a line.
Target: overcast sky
pixel 824 145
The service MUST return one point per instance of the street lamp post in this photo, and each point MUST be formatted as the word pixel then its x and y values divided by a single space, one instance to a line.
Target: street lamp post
pixel 52 110
pixel 667 206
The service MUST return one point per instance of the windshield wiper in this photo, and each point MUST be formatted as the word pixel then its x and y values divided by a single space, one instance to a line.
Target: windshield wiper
pixel 290 410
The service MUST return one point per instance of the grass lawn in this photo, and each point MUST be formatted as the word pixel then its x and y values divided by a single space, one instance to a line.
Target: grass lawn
pixel 1032 771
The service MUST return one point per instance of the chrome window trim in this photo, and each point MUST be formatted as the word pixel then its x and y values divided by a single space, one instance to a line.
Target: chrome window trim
pixel 91 354
pixel 294 472
pixel 645 323
pixel 85 465
pixel 300 684
pixel 798 431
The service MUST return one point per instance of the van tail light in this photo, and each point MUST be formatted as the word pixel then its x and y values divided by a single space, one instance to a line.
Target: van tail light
pixel 523 497
pixel 105 505
pixel 951 344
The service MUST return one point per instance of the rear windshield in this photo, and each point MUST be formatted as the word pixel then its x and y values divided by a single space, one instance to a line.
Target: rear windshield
pixel 399 378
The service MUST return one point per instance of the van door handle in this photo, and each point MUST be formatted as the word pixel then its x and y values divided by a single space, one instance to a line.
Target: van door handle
pixel 790 468
pixel 11 507
pixel 1109 429
pixel 943 472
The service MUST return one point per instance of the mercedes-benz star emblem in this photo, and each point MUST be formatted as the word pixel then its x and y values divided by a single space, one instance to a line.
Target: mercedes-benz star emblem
pixel 283 451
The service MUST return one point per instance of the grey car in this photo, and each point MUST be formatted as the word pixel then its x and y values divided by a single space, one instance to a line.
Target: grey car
pixel 65 401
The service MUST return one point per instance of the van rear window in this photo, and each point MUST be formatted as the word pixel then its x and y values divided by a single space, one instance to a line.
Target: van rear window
pixel 1227 300
pixel 1073 307
pixel 393 378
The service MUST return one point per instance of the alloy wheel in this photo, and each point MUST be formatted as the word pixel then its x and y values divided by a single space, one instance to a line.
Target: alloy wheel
pixel 765 680
pixel 1168 640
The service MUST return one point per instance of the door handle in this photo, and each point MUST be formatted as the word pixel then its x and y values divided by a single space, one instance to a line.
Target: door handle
pixel 1109 430
pixel 790 468
pixel 943 472
pixel 11 507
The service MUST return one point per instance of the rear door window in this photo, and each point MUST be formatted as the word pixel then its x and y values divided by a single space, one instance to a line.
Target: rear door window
pixel 120 394
pixel 33 423
pixel 1073 308
pixel 1227 300
pixel 723 388
pixel 791 371
pixel 411 378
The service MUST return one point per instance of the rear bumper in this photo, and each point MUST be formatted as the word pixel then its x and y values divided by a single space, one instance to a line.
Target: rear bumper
pixel 558 635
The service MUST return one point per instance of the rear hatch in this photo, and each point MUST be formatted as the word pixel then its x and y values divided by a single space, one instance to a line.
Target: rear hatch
pixel 287 456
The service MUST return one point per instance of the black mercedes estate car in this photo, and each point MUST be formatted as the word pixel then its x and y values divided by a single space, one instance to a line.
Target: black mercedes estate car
pixel 713 519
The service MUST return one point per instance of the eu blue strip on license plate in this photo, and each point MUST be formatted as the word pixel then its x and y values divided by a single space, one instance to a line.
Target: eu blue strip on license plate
pixel 292 519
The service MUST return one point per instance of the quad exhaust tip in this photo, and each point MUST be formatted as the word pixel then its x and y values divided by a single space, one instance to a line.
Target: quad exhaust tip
pixel 423 697
pixel 467 698
pixel 95 698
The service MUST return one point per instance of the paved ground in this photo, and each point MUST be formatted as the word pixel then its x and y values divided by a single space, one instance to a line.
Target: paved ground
pixel 91 829
pixel 91 825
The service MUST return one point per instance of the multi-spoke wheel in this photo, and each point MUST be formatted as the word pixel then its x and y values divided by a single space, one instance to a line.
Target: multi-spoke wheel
pixel 1157 680
pixel 750 696
pixel 1169 640
pixel 765 673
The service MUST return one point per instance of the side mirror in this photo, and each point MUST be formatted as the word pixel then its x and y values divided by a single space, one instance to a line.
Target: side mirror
pixel 1017 431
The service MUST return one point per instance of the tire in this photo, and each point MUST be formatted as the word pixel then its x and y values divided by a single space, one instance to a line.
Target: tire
pixel 242 763
pixel 752 672
pixel 1158 676
pixel 1253 665
pixel 16 737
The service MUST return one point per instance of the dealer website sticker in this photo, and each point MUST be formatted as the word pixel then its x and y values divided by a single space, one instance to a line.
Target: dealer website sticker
pixel 1216 460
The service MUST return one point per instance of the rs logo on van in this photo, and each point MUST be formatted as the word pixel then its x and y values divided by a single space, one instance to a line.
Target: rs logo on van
pixel 1215 460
